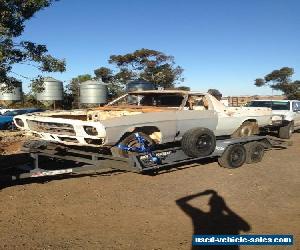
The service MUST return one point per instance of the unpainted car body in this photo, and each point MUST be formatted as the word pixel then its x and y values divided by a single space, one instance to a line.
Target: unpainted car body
pixel 165 115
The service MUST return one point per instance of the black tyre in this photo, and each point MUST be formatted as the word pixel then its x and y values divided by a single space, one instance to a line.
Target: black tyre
pixel 254 152
pixel 198 142
pixel 233 157
pixel 131 141
pixel 286 131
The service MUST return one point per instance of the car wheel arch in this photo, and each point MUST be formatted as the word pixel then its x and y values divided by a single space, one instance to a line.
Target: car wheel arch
pixel 153 131
pixel 252 123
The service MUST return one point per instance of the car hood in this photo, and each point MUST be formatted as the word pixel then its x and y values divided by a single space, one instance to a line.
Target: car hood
pixel 5 118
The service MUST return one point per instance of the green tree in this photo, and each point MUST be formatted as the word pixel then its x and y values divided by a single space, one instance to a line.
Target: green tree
pixel 147 64
pixel 113 85
pixel 105 74
pixel 13 14
pixel 216 93
pixel 281 80
pixel 185 88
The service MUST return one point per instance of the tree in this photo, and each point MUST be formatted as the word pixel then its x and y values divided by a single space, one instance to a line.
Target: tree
pixel 105 74
pixel 147 64
pixel 113 85
pixel 185 88
pixel 281 80
pixel 216 93
pixel 13 14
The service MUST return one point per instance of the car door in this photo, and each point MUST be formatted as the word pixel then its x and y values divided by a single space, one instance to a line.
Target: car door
pixel 195 116
pixel 188 119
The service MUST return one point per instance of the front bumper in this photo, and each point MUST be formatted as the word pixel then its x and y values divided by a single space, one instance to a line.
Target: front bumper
pixel 66 131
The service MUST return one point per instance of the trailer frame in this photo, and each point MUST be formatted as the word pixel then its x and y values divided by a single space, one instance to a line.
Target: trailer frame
pixel 89 160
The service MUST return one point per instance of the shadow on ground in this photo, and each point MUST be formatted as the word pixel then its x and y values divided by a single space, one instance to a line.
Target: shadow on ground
pixel 220 219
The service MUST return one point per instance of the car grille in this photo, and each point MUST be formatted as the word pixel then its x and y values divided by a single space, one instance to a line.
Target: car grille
pixel 51 127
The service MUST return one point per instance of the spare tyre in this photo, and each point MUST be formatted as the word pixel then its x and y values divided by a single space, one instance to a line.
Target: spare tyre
pixel 198 142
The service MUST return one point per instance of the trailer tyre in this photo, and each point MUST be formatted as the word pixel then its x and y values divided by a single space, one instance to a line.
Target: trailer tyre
pixel 254 152
pixel 198 142
pixel 233 157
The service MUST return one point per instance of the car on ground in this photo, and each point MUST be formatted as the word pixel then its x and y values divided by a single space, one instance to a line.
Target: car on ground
pixel 285 115
pixel 161 116
pixel 6 120
pixel 3 110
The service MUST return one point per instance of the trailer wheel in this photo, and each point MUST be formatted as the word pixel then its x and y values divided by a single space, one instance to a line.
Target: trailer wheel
pixel 131 141
pixel 233 157
pixel 198 142
pixel 254 152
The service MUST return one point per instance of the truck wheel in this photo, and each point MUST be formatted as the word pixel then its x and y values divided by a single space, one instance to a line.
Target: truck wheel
pixel 246 129
pixel 198 142
pixel 286 131
pixel 130 141
pixel 233 157
pixel 254 152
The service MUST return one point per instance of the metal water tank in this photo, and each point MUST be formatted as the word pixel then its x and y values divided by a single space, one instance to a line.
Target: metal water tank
pixel 93 92
pixel 53 90
pixel 138 85
pixel 14 95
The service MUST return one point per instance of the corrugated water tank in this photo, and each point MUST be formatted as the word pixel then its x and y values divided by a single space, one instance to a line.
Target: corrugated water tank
pixel 93 92
pixel 13 95
pixel 53 90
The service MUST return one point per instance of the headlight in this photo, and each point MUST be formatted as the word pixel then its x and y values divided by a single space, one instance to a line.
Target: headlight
pixel 90 130
pixel 19 122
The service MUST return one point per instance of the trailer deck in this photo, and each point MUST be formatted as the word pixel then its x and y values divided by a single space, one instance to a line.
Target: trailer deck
pixel 70 160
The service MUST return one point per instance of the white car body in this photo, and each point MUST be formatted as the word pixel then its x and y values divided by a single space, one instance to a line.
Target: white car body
pixel 170 115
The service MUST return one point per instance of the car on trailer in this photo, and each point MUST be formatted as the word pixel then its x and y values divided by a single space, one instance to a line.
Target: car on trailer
pixel 161 116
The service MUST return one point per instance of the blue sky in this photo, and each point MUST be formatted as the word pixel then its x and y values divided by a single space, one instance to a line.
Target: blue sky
pixel 220 44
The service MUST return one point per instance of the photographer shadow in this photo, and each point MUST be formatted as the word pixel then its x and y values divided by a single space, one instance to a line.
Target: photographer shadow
pixel 219 220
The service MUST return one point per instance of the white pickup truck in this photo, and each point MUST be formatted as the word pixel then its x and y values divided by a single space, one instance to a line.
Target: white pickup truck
pixel 161 115
pixel 285 115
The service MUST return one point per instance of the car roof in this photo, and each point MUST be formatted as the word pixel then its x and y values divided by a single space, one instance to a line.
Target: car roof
pixel 169 91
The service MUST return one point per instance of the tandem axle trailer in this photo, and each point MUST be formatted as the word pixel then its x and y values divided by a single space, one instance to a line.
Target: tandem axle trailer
pixel 50 159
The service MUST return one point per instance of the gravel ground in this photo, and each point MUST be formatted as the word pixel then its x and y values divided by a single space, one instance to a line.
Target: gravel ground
pixel 11 141
pixel 131 211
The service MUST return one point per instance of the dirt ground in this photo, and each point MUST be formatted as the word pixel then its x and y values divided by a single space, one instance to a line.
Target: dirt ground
pixel 116 210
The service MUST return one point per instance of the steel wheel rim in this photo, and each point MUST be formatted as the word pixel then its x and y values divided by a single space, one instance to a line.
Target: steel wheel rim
pixel 203 142
pixel 236 157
